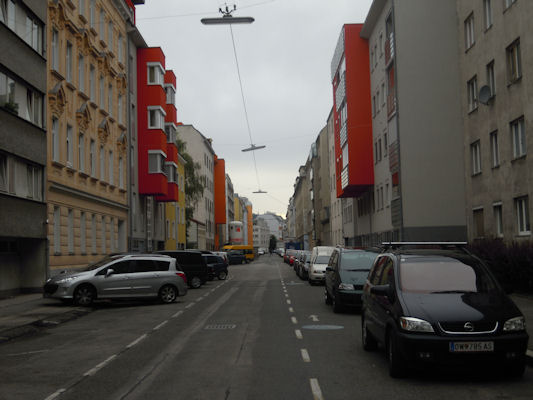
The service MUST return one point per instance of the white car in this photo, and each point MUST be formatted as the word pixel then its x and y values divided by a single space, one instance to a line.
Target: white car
pixel 319 261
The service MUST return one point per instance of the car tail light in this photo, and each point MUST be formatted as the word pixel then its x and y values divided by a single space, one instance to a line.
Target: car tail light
pixel 182 276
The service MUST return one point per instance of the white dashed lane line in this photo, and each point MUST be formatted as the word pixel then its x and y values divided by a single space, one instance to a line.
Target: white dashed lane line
pixel 305 355
pixel 288 302
pixel 162 324
pixel 189 305
pixel 294 320
pixel 93 371
pixel 54 395
pixel 291 310
pixel 177 314
pixel 136 341
pixel 298 334
pixel 315 388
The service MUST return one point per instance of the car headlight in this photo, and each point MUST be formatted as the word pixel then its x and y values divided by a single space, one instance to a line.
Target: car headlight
pixel 64 280
pixel 515 324
pixel 415 325
pixel 346 286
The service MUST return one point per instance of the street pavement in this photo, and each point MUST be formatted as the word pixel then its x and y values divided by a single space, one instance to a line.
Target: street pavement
pixel 254 336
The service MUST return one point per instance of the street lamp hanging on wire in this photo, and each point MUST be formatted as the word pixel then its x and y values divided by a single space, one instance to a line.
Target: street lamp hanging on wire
pixel 227 18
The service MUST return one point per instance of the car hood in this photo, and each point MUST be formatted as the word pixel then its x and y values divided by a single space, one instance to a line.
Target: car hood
pixel 442 307
pixel 70 274
pixel 320 267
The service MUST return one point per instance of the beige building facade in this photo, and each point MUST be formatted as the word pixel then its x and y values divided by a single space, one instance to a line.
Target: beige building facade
pixel 87 141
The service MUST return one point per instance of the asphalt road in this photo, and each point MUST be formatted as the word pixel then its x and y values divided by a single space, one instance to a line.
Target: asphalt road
pixel 262 334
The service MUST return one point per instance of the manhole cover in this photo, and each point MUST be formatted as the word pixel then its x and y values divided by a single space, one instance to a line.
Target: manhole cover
pixel 323 327
pixel 220 327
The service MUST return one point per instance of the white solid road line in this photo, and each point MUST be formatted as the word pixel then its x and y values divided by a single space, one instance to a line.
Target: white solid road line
pixel 54 395
pixel 136 341
pixel 99 366
pixel 294 320
pixel 298 334
pixel 315 388
pixel 162 324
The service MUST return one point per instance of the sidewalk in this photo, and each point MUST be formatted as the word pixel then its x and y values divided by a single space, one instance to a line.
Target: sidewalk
pixel 26 314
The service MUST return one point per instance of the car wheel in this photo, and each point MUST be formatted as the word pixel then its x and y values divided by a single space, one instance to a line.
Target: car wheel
pixel 369 342
pixel 337 306
pixel 327 297
pixel 222 275
pixel 84 295
pixel 168 294
pixel 397 368
pixel 195 282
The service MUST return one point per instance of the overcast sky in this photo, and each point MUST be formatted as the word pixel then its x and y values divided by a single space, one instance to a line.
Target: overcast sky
pixel 284 59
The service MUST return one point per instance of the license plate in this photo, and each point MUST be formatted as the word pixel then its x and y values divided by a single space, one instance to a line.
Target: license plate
pixel 471 347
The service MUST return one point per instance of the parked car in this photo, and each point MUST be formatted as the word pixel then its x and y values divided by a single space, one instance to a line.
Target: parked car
pixel 120 277
pixel 192 263
pixel 236 257
pixel 433 306
pixel 216 267
pixel 222 254
pixel 289 253
pixel 346 275
pixel 302 269
pixel 319 261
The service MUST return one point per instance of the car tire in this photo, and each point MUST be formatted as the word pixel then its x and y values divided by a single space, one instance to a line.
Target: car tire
pixel 397 367
pixel 222 275
pixel 369 342
pixel 84 295
pixel 327 298
pixel 168 294
pixel 195 282
pixel 337 306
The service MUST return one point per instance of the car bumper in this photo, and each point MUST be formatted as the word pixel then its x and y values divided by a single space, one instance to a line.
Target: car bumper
pixel 317 276
pixel 55 291
pixel 350 298
pixel 425 349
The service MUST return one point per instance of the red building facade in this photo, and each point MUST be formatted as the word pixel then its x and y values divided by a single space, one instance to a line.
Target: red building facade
pixel 157 120
pixel 350 74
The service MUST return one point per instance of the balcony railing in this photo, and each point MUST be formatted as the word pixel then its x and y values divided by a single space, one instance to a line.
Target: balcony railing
pixel 344 177
pixel 343 135
pixel 391 104
pixel 389 49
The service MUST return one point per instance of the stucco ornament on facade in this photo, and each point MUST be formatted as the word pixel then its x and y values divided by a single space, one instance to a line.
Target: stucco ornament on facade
pixel 57 100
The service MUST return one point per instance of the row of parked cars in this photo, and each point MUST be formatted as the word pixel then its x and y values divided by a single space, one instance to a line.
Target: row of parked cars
pixel 425 304
pixel 164 275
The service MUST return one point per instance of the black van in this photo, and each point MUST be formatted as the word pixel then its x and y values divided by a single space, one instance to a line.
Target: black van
pixel 192 263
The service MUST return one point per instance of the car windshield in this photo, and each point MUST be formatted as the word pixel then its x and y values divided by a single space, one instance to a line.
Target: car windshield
pixel 357 260
pixel 98 263
pixel 444 275
pixel 322 259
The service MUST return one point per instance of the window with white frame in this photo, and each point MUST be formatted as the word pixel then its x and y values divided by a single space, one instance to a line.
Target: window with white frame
pixel 171 132
pixel 345 156
pixel 81 73
pixel 156 74
pixel 170 94
pixel 55 139
pixel 514 61
pixel 170 171
pixel 92 158
pixel 70 230
pixel 475 151
pixel 494 149
pixel 102 163
pixel 83 233
pixel 518 136
pixel 70 149
pixel 55 50
pixel 522 215
pixel 34 182
pixel 69 62
pixel 156 117
pixel 498 219
pixel 34 33
pixel 81 152
pixel 469 31
pixel 111 170
pixel 472 93
pixel 487 13
pixel 491 81
pixel 156 161
pixel 57 230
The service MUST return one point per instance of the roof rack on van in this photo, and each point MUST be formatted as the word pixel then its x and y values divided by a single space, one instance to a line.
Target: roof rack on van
pixel 422 245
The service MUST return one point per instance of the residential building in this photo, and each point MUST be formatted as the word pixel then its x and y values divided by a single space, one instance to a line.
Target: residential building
pixel 230 210
pixel 303 208
pixel 274 222
pixel 180 205
pixel 201 229
pixel 336 203
pixel 248 225
pixel 23 158
pixel 220 208
pixel 496 95
pixel 87 147
pixel 321 185
pixel 261 234
pixel 418 190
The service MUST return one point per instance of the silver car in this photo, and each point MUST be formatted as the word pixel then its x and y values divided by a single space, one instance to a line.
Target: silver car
pixel 120 276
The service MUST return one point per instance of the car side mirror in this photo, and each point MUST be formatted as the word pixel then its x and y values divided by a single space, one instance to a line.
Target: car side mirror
pixel 109 272
pixel 382 290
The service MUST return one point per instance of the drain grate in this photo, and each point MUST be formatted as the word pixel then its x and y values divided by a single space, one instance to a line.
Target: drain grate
pixel 220 327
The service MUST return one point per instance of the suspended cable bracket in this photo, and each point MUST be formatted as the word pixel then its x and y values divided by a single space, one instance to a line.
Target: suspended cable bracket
pixel 253 147
pixel 227 18
pixel 260 191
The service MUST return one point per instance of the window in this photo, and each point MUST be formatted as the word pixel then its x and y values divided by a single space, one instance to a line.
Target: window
pixel 92 158
pixel 120 49
pixel 69 62
pixel 171 94
pixel 498 220
pixel 120 173
pixel 156 74
pixel 70 154
pixel 156 160
pixel 55 50
pixel 81 7
pixel 34 182
pixel 514 62
pixel 34 34
pixel 518 137
pixel 170 131
pixel 102 25
pixel 102 92
pixel 3 173
pixel 83 246
pixel 487 8
pixel 70 231
pixel 81 152
pixel 110 35
pixel 55 139
pixel 92 88
pixel 472 93
pixel 156 117
pixel 103 235
pixel 475 152
pixel 111 180
pixel 522 215
pixel 81 74
pixel 32 110
pixel 479 226
pixel 57 230
pixel 494 149
pixel 469 31
pixel 102 163
pixel 92 11
pixel 170 171
pixel 509 3
pixel 491 82
pixel 112 235
pixel 110 99
pixel 93 233
pixel 119 111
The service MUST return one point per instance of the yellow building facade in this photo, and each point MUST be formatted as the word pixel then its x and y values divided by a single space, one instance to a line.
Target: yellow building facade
pixel 86 119
pixel 176 226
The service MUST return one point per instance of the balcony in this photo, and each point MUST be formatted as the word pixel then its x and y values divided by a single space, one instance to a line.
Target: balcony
pixel 340 92
pixel 344 177
pixel 389 49
pixel 343 135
